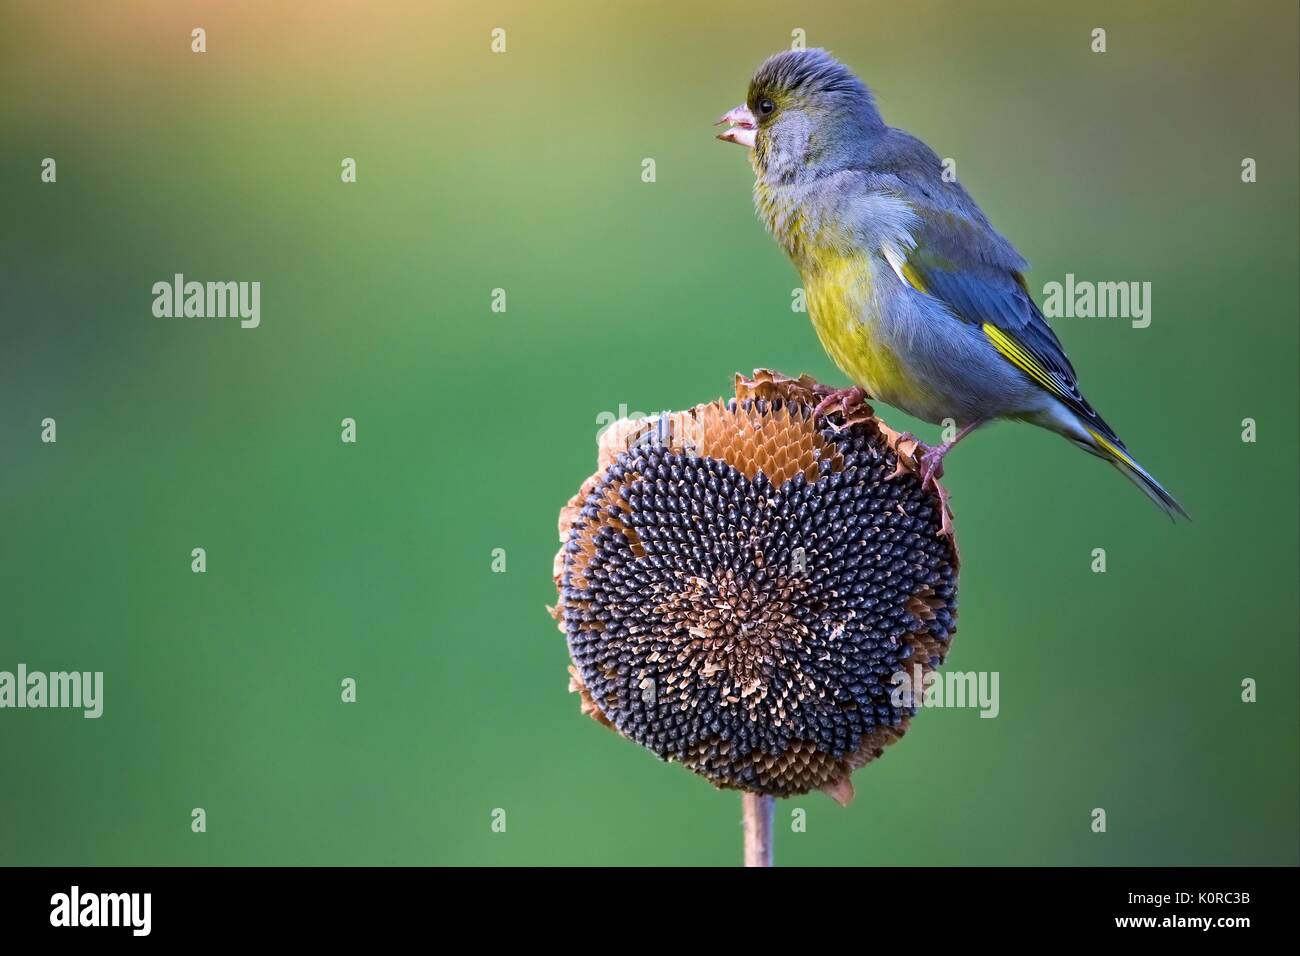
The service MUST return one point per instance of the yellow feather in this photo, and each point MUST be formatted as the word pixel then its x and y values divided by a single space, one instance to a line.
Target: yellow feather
pixel 1020 358
pixel 1111 449
pixel 841 306
pixel 914 279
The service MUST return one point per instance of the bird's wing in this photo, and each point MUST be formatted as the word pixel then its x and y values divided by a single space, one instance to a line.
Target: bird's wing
pixel 957 258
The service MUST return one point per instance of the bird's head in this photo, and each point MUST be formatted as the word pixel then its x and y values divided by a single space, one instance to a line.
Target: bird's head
pixel 806 114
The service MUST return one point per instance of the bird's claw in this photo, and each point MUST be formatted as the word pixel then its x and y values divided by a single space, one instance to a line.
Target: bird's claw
pixel 932 465
pixel 847 398
pixel 929 459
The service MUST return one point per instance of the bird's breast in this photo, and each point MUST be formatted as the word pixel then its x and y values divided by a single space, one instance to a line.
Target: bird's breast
pixel 844 309
pixel 840 288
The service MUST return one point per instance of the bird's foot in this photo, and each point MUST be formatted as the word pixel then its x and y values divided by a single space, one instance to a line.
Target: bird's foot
pixel 846 398
pixel 929 459
pixel 931 462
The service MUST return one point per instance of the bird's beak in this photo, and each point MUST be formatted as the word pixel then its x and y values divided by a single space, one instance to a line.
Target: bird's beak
pixel 741 126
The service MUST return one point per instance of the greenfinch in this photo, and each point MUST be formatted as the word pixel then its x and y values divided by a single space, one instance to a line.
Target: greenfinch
pixel 913 294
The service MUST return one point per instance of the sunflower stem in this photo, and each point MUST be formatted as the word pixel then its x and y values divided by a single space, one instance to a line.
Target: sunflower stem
pixel 759 812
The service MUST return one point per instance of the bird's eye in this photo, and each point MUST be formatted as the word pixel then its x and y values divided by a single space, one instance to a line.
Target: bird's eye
pixel 766 106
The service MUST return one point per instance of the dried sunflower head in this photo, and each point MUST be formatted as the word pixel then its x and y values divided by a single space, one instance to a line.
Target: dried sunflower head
pixel 738 585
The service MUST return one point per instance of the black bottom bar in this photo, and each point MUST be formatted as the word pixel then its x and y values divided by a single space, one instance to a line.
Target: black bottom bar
pixel 334 905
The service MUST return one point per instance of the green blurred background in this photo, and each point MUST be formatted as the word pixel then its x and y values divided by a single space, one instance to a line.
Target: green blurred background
pixel 522 171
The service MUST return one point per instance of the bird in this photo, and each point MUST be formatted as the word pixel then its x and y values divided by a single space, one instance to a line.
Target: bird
pixel 912 292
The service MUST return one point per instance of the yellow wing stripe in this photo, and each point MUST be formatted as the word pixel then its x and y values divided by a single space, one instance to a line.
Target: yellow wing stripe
pixel 1016 353
pixel 1021 359
pixel 914 278
pixel 1111 448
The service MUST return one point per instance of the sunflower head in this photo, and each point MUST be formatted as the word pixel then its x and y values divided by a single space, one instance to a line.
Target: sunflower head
pixel 739 585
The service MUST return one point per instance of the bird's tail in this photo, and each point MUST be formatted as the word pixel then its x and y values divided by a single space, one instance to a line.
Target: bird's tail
pixel 1104 444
